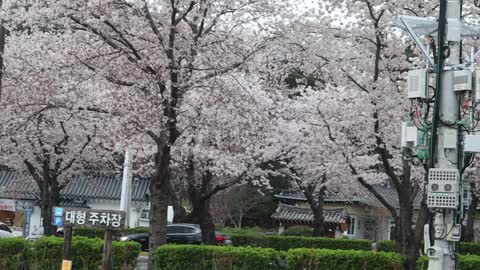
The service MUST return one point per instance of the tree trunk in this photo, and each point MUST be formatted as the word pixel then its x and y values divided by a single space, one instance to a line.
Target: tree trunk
pixel 50 194
pixel 52 200
pixel 2 50
pixel 319 229
pixel 240 218
pixel 405 243
pixel 469 235
pixel 201 215
pixel 179 212
pixel 206 224
pixel 409 238
pixel 159 198
pixel 316 205
pixel 405 216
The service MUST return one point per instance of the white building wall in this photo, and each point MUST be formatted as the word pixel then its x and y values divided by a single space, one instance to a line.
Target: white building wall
pixel 135 210
pixel 36 221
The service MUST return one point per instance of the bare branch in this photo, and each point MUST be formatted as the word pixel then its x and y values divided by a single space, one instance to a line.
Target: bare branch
pixel 185 14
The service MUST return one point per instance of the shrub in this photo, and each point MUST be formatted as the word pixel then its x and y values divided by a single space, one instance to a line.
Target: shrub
pixel 251 231
pixel 99 233
pixel 89 232
pixel 189 257
pixel 125 255
pixel 469 248
pixel 466 262
pixel 387 246
pixel 298 231
pixel 313 259
pixel 13 253
pixel 464 248
pixel 289 242
pixel 46 253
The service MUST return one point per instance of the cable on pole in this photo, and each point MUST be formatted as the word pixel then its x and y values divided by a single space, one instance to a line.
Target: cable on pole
pixel 439 68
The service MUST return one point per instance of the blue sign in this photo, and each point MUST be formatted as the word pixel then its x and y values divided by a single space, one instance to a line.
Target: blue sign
pixel 28 217
pixel 58 211
pixel 58 221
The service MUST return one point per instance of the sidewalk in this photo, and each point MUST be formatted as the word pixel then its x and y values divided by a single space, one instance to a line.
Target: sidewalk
pixel 142 263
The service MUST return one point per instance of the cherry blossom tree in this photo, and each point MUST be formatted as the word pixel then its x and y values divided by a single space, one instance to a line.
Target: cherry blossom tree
pixel 360 50
pixel 156 53
pixel 49 126
pixel 229 137
pixel 472 181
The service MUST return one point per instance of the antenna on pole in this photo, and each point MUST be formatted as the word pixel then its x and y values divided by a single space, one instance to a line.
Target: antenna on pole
pixel 444 129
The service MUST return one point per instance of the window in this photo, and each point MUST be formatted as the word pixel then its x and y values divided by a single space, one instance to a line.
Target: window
pixel 391 230
pixel 5 228
pixel 351 226
pixel 145 213
pixel 180 229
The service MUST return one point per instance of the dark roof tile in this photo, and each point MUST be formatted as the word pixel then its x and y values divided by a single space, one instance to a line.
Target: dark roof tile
pixel 85 186
pixel 292 214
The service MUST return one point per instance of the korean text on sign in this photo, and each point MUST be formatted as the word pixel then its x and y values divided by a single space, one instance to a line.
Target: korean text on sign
pixel 79 217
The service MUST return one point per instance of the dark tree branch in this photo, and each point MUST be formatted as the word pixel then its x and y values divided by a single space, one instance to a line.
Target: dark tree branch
pixel 33 171
pixel 80 152
pixel 125 40
pixel 364 89
pixel 185 14
pixel 147 69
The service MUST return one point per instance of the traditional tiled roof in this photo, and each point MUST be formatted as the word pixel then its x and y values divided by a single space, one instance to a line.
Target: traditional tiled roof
pixel 17 185
pixel 108 187
pixel 329 197
pixel 299 215
pixel 86 186
pixel 388 193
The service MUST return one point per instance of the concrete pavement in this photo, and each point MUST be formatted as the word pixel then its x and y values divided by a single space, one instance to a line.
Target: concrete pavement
pixel 142 263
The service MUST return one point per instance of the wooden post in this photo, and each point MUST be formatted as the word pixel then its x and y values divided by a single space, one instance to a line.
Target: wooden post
pixel 67 244
pixel 107 251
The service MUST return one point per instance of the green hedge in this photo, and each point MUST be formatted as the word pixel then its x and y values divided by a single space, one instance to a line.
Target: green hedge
pixel 465 248
pixel 99 233
pixel 387 246
pixel 469 248
pixel 46 253
pixel 14 253
pixel 289 242
pixel 189 257
pixel 314 259
pixel 244 230
pixel 467 262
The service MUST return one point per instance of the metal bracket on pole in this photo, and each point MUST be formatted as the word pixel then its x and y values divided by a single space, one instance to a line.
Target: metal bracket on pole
pixel 428 26
pixel 419 43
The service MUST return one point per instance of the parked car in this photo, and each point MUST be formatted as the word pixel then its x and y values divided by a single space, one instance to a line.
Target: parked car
pixel 5 231
pixel 39 232
pixel 179 233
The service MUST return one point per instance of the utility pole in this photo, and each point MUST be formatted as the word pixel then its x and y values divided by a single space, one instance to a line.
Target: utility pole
pixel 126 197
pixel 441 133
pixel 3 33
pixel 442 254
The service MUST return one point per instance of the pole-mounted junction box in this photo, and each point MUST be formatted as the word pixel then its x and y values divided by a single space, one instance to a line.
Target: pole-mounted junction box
pixel 462 80
pixel 443 188
pixel 409 135
pixel 417 83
